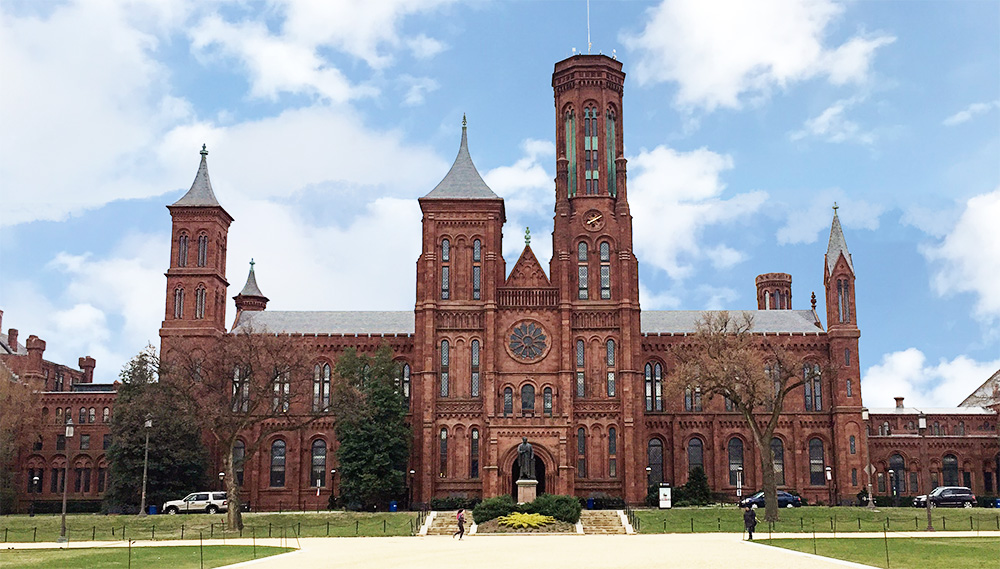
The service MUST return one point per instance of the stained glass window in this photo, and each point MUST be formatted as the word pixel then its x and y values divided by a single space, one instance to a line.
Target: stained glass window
pixel 527 341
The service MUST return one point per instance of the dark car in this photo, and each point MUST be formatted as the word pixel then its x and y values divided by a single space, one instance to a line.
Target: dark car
pixel 785 500
pixel 955 496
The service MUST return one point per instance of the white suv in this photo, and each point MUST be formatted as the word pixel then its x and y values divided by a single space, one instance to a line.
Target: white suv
pixel 207 502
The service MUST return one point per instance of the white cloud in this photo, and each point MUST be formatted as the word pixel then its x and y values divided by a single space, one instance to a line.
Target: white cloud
pixel 659 300
pixel 424 47
pixel 968 258
pixel 972 110
pixel 907 374
pixel 723 52
pixel 674 196
pixel 806 225
pixel 832 125
pixel 528 192
pixel 417 89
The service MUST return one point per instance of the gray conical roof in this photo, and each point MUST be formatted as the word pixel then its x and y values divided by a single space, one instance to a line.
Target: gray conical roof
pixel 837 245
pixel 251 289
pixel 463 180
pixel 201 193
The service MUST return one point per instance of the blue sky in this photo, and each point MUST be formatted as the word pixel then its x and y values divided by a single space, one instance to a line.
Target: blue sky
pixel 325 121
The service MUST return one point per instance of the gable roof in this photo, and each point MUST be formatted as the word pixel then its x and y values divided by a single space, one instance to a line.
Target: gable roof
pixel 327 322
pixel 463 180
pixel 527 271
pixel 986 394
pixel 200 194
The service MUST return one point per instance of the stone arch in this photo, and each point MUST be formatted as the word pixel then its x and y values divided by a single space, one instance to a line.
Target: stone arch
pixel 546 469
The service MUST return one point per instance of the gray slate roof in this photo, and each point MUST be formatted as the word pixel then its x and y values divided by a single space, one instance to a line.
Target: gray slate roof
pixel 984 394
pixel 6 348
pixel 201 193
pixel 930 411
pixel 328 322
pixel 764 321
pixel 463 180
pixel 837 245
pixel 251 289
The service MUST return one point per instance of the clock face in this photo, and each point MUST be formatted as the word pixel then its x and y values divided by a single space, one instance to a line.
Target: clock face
pixel 593 220
pixel 527 341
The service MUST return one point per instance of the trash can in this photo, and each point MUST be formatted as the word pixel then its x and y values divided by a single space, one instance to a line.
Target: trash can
pixel 393 506
pixel 996 503
pixel 590 503
pixel 152 510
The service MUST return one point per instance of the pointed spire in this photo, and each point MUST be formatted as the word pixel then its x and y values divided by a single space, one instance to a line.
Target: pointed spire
pixel 463 180
pixel 251 288
pixel 201 193
pixel 837 244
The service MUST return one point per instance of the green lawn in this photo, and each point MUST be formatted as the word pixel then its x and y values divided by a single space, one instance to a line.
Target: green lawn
pixel 118 557
pixel 904 553
pixel 87 527
pixel 820 518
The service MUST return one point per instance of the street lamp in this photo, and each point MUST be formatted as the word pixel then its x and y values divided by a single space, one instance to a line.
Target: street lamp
pixel 892 486
pixel 868 468
pixel 739 481
pixel 222 476
pixel 412 474
pixel 649 476
pixel 145 464
pixel 333 487
pixel 34 490
pixel 69 435
pixel 829 478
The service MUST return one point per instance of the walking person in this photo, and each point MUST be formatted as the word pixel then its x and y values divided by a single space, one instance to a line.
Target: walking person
pixel 750 521
pixel 460 516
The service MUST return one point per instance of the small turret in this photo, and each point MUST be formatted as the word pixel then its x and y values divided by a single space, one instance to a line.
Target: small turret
pixel 87 364
pixel 774 291
pixel 250 299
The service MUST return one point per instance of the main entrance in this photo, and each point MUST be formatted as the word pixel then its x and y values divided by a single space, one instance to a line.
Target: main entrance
pixel 539 474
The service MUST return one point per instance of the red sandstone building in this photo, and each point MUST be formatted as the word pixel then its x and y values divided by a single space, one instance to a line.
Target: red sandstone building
pixel 566 357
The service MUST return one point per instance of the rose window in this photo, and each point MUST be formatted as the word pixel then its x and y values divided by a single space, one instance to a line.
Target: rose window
pixel 527 341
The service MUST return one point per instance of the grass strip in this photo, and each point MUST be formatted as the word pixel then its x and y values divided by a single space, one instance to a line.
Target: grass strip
pixel 181 557
pixel 904 553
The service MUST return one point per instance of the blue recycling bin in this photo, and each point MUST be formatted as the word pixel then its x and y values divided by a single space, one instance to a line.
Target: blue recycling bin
pixel 996 503
pixel 393 506
pixel 590 503
pixel 152 510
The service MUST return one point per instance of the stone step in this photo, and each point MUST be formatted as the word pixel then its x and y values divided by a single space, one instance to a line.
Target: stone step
pixel 601 522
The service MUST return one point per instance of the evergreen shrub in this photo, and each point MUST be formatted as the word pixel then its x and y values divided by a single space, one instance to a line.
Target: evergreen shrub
pixel 492 508
pixel 560 507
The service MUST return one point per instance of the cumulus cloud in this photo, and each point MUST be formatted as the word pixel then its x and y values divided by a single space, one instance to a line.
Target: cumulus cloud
pixel 969 112
pixel 832 125
pixel 724 52
pixel 806 225
pixel 908 374
pixel 968 258
pixel 417 89
pixel 674 196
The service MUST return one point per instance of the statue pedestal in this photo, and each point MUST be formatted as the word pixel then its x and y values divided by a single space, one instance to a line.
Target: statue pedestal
pixel 526 491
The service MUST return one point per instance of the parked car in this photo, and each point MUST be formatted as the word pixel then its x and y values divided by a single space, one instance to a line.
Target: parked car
pixel 956 496
pixel 785 500
pixel 200 502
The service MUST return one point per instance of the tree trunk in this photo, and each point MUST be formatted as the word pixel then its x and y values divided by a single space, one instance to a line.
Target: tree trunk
pixel 767 478
pixel 235 513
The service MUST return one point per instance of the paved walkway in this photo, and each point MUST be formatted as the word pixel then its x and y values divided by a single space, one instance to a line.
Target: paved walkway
pixel 694 551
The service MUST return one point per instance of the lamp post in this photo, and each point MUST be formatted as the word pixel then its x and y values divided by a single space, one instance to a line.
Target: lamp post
pixel 222 477
pixel 739 481
pixel 412 475
pixel 145 464
pixel 62 529
pixel 868 467
pixel 922 427
pixel 892 486
pixel 829 483
pixel 333 487
pixel 649 477
pixel 34 490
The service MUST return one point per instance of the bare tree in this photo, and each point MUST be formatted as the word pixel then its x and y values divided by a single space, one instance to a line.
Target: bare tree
pixel 19 421
pixel 753 372
pixel 241 381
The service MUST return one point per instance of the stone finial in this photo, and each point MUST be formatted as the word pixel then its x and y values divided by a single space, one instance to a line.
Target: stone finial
pixel 813 300
pixel 835 208
pixel 464 122
pixel 527 236
pixel 204 150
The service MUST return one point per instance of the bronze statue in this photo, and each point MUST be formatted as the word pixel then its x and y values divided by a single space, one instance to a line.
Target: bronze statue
pixel 526 460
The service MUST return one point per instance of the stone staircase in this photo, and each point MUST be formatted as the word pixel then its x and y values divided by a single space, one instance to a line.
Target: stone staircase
pixel 444 523
pixel 601 522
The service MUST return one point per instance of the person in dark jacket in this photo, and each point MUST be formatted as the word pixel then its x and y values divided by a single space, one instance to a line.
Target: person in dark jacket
pixel 750 521
pixel 460 517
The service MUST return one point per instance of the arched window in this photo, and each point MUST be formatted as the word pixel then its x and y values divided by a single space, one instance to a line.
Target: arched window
pixel 474 454
pixel 696 454
pixel 317 476
pixel 280 392
pixel 581 258
pixel 527 399
pixel 611 141
pixel 239 458
pixel 182 250
pixel 817 463
pixel 179 302
pixel 843 300
pixel 199 303
pixel 854 444
pixel 949 469
pixel 202 250
pixel 443 466
pixel 654 387
pixel 59 416
pixel 850 388
pixel 547 401
pixel 610 363
pixel 811 377
pixel 405 380
pixel 654 460
pixel 692 399
pixel 83 415
pixel 321 388
pixel 92 415
pixel 612 452
pixel 277 463
pixel 581 453
pixel 735 449
pixel 897 479
pixel 569 138
pixel 107 415
pixel 778 453
pixel 444 368
pixel 580 363
pixel 508 402
pixel 474 388
pixel 960 428
pixel 241 391
pixel 590 150
pixel 445 269
pixel 477 269
pixel 605 270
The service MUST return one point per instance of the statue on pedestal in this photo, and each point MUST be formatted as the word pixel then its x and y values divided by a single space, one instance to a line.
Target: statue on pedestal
pixel 526 460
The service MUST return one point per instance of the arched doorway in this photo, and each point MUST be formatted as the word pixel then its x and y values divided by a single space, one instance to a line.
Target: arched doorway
pixel 539 475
